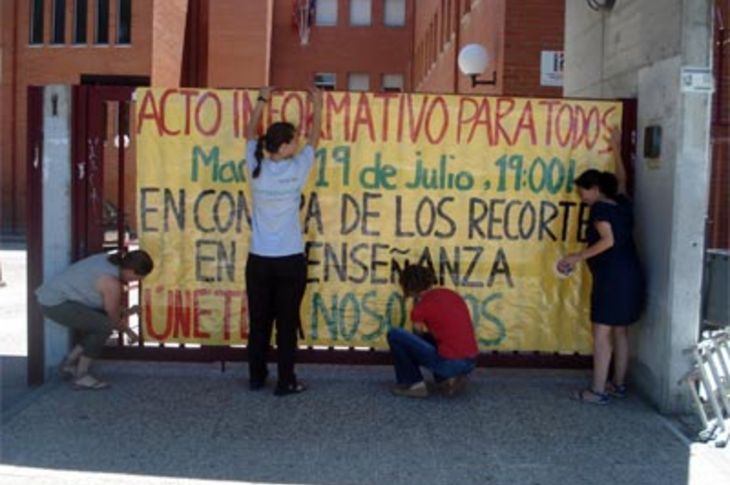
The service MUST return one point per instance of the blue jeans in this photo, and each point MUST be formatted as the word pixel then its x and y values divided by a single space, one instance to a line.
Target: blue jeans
pixel 411 352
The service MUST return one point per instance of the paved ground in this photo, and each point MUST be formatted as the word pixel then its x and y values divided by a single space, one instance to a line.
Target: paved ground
pixel 190 423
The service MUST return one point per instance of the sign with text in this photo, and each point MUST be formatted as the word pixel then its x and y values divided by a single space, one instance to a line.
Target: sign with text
pixel 479 188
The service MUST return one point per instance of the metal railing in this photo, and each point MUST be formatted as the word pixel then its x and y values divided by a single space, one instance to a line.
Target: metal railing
pixel 709 385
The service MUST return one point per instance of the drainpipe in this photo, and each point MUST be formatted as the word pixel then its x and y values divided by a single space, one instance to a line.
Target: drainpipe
pixel 457 44
pixel 13 123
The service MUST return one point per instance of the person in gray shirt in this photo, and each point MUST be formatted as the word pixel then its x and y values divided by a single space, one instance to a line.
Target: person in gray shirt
pixel 86 297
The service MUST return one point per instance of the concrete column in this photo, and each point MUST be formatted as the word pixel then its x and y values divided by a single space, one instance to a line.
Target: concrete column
pixel 56 206
pixel 638 49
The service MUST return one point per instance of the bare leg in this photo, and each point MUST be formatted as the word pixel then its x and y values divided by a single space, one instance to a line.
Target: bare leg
pixel 83 366
pixel 601 356
pixel 74 355
pixel 620 355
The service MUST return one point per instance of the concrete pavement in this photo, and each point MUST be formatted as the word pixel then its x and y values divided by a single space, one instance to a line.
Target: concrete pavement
pixel 191 424
pixel 190 421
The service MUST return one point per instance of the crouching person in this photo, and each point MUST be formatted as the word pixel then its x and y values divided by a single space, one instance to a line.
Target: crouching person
pixel 443 342
pixel 86 297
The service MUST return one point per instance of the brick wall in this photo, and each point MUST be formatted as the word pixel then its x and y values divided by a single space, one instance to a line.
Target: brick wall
pixel 65 64
pixel 442 28
pixel 239 36
pixel 374 50
pixel 168 28
pixel 531 27
pixel 514 34
pixel 8 107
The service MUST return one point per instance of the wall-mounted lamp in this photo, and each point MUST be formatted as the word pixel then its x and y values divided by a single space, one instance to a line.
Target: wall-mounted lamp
pixel 601 4
pixel 473 60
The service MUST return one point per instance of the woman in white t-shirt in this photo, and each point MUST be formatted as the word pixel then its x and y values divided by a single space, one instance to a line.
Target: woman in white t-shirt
pixel 276 270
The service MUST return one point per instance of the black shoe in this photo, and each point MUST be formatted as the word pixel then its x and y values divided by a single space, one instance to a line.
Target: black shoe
pixel 256 385
pixel 285 390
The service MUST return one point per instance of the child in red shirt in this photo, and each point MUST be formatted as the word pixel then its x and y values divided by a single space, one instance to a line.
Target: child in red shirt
pixel 448 349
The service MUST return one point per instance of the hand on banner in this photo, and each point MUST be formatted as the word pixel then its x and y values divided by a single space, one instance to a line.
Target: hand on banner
pixel 265 92
pixel 619 169
pixel 614 139
pixel 566 265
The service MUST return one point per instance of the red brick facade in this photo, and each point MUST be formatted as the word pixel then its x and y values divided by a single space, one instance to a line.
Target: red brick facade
pixel 341 49
pixel 26 65
pixel 514 34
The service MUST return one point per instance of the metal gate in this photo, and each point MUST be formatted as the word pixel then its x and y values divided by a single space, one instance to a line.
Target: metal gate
pixel 104 202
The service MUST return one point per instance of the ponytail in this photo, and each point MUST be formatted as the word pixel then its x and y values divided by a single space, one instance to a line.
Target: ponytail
pixel 608 185
pixel 278 133
pixel 259 155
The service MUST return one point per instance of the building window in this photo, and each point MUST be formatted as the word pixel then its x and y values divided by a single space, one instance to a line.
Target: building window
pixel 124 22
pixel 80 15
pixel 36 22
pixel 59 22
pixel 358 82
pixel 325 80
pixel 361 12
pixel 395 13
pixel 326 13
pixel 393 83
pixel 102 22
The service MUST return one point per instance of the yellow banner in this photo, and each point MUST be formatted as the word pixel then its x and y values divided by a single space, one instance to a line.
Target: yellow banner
pixel 480 188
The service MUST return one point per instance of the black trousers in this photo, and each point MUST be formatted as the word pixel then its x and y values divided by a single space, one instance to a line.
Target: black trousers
pixel 275 288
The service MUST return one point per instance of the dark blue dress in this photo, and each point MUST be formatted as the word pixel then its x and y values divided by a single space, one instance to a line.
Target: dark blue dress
pixel 617 294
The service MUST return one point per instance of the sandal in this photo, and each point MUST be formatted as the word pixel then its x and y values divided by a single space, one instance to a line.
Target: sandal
pixel 617 391
pixel 66 371
pixel 294 388
pixel 89 383
pixel 590 396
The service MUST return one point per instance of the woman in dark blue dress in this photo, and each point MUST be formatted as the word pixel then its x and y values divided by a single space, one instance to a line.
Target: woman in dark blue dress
pixel 617 294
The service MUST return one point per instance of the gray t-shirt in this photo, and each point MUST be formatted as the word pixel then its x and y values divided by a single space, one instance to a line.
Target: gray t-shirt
pixel 78 283
pixel 276 228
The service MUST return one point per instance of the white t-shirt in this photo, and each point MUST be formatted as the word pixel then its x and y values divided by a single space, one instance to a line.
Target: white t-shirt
pixel 276 192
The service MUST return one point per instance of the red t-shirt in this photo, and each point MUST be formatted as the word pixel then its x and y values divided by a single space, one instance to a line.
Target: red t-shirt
pixel 445 314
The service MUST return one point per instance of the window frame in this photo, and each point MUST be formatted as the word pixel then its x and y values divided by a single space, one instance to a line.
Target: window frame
pixel 58 35
pixel 317 23
pixel 75 39
pixel 36 27
pixel 353 75
pixel 387 89
pixel 97 23
pixel 370 13
pixel 325 87
pixel 128 40
pixel 385 14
